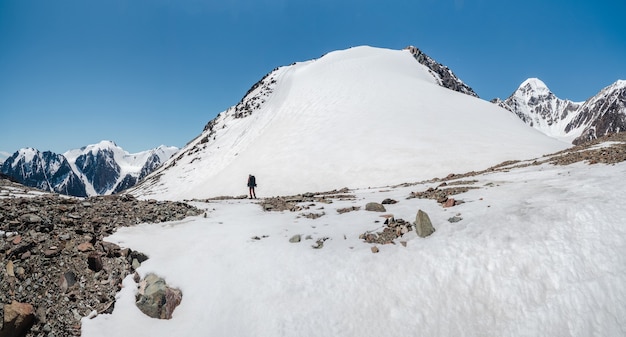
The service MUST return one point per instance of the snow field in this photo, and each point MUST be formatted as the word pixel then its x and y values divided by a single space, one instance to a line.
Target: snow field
pixel 540 252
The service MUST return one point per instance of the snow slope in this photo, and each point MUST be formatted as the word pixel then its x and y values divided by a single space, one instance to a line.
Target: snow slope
pixel 358 117
pixel 540 251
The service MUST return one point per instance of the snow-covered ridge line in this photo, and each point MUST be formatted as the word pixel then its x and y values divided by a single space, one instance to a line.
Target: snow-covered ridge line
pixel 96 169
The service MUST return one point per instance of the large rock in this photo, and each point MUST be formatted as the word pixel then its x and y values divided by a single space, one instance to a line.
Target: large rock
pixel 423 226
pixel 156 299
pixel 18 318
pixel 375 207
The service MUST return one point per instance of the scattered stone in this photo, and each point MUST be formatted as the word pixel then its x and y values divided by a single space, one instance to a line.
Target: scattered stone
pixel 295 239
pixel 455 219
pixel 67 280
pixel 348 209
pixel 389 201
pixel 94 262
pixel 394 229
pixel 156 299
pixel 375 207
pixel 313 215
pixel 85 247
pixel 139 256
pixel 18 319
pixel 449 203
pixel 51 252
pixel 423 225
pixel 319 243
pixel 374 249
pixel 31 219
pixel 10 268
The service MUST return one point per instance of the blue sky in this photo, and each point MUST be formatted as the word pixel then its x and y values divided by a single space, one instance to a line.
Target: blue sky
pixel 150 72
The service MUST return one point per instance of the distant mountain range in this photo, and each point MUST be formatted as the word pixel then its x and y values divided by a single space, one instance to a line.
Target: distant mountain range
pixel 97 169
pixel 335 98
pixel 574 122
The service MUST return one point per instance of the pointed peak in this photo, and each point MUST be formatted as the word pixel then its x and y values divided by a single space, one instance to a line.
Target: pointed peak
pixel 535 84
pixel 619 84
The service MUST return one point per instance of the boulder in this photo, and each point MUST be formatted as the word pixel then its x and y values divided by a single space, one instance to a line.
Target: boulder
pixel 449 203
pixel 375 207
pixel 156 299
pixel 18 319
pixel 423 226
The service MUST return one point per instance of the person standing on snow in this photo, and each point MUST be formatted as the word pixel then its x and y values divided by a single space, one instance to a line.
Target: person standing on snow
pixel 252 185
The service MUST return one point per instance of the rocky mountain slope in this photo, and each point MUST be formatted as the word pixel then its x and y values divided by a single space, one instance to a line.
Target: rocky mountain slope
pixel 341 120
pixel 574 122
pixel 445 77
pixel 97 169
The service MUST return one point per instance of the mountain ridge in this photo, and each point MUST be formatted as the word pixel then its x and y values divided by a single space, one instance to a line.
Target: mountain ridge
pixel 96 169
pixel 575 122
pixel 342 120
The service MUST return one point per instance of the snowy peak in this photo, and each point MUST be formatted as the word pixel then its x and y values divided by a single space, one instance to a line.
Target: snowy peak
pixel 537 106
pixel 44 170
pixel 571 121
pixel 358 117
pixel 96 169
pixel 534 87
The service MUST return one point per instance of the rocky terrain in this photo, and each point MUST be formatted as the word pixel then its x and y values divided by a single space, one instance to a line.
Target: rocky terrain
pixel 55 262
pixel 54 259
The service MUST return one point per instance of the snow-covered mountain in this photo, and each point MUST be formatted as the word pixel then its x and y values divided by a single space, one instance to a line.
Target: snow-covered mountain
pixel 358 117
pixel 97 169
pixel 46 170
pixel 571 121
pixel 602 114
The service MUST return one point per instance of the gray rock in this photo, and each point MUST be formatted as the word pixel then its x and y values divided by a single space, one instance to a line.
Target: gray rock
pixel 375 207
pixel 455 219
pixel 423 225
pixel 156 299
pixel 31 218
pixel 296 238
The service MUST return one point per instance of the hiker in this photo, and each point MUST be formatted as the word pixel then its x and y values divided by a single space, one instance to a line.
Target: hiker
pixel 252 185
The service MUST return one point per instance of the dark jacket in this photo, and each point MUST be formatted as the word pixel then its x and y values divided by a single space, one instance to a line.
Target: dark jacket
pixel 251 181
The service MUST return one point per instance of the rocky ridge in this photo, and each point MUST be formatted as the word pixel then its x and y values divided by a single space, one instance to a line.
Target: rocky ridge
pixel 54 257
pixel 443 74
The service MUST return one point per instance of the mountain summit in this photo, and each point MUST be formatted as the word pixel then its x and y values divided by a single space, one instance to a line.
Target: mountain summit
pixel 353 118
pixel 574 122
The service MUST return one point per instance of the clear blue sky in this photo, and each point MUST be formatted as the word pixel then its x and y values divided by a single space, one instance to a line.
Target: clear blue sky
pixel 149 72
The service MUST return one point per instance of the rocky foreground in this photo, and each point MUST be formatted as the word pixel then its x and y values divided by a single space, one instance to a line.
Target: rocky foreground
pixel 56 268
